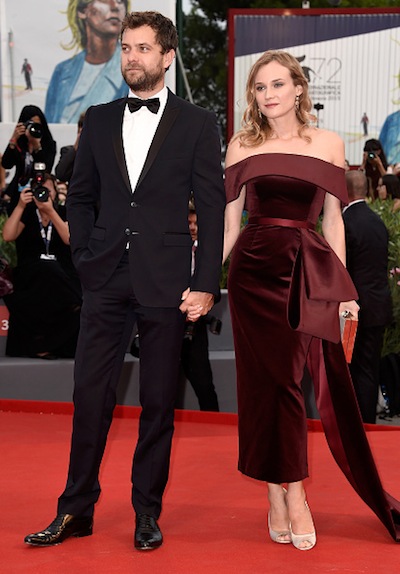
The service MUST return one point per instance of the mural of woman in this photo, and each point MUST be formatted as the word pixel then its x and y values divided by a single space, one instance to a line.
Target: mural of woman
pixel 93 75
pixel 390 134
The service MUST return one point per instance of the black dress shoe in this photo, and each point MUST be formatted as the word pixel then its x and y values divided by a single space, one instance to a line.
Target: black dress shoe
pixel 63 526
pixel 147 533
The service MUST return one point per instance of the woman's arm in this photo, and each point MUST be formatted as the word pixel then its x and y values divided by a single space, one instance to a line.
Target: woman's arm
pixel 332 222
pixel 234 209
pixel 12 151
pixel 233 219
pixel 13 227
pixel 333 230
pixel 333 226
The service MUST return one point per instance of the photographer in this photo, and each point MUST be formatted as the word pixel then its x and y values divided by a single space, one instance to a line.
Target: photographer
pixel 30 142
pixel 374 165
pixel 45 306
pixel 65 166
pixel 389 187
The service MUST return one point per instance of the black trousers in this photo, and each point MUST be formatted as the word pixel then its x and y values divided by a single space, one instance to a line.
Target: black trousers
pixel 196 365
pixel 107 320
pixel 364 369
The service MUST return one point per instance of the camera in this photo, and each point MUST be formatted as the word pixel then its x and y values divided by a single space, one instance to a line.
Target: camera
pixel 34 128
pixel 371 155
pixel 40 192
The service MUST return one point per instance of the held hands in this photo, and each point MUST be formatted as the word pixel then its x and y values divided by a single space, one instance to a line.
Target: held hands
pixel 196 303
pixel 349 309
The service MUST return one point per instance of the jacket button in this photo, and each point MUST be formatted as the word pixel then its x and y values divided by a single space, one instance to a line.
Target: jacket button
pixel 134 204
pixel 127 231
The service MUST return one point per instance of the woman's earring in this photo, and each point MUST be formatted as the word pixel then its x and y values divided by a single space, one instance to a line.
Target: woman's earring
pixel 297 103
pixel 259 113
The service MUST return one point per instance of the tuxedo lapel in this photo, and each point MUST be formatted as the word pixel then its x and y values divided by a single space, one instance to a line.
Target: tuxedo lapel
pixel 168 118
pixel 118 143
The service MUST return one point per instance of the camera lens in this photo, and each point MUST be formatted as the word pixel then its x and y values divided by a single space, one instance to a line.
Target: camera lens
pixel 41 194
pixel 34 128
pixel 36 131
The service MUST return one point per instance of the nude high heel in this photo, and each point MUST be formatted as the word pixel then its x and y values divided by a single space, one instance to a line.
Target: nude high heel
pixel 298 539
pixel 276 535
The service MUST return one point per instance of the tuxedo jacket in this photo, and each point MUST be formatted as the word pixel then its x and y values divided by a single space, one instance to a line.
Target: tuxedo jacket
pixel 105 214
pixel 367 262
pixel 65 165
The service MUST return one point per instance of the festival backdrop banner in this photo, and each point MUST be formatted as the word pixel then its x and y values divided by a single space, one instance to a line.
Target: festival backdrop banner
pixel 351 59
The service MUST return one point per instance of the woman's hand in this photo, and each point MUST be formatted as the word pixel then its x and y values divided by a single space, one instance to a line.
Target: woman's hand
pixel 46 207
pixel 19 131
pixel 195 304
pixel 349 309
pixel 25 197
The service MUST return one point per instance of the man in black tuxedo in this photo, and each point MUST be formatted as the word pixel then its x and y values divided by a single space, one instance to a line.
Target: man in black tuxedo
pixel 367 263
pixel 138 161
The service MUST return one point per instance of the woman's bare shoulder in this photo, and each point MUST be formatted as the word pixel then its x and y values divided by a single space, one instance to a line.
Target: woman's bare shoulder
pixel 236 151
pixel 329 144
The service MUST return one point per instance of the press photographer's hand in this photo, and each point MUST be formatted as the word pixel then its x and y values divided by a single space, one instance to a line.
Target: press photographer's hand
pixel 46 207
pixel 25 197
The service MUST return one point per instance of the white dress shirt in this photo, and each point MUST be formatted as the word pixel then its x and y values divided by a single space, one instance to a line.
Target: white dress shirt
pixel 138 130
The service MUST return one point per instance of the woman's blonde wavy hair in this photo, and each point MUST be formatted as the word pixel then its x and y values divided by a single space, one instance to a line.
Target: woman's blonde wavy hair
pixel 77 25
pixel 255 129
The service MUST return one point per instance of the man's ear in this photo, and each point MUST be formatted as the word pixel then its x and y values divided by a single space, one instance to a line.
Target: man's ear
pixel 169 58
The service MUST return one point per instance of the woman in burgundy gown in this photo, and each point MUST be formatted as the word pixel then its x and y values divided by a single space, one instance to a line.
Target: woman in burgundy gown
pixel 287 286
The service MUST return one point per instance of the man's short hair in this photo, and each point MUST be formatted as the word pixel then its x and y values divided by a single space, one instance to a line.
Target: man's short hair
pixel 357 184
pixel 164 28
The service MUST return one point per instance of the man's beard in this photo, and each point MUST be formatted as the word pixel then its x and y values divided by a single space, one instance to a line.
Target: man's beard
pixel 146 82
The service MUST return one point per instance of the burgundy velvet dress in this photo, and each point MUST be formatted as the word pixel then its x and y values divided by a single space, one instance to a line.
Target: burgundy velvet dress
pixel 285 284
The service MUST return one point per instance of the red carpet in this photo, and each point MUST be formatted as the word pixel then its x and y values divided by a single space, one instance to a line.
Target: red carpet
pixel 214 519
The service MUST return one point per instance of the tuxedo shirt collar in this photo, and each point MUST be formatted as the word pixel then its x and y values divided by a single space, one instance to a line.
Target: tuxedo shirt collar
pixel 138 132
pixel 162 95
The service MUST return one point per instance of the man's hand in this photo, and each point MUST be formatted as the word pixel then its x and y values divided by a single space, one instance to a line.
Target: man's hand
pixel 196 303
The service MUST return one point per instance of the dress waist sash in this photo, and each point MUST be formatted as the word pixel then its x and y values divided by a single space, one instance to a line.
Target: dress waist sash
pixel 281 222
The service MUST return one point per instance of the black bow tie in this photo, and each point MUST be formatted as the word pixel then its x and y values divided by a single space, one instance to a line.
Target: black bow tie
pixel 135 104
